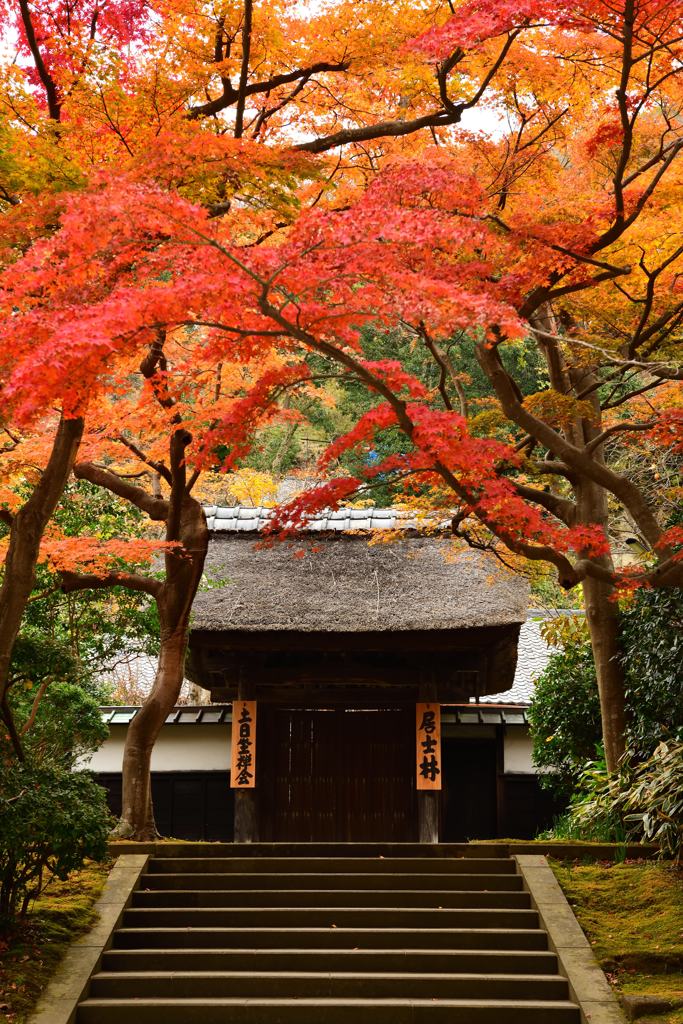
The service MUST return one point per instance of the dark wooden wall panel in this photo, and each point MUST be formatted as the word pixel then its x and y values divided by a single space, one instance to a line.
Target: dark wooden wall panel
pixel 187 805
pixel 468 798
pixel 527 808
pixel 349 777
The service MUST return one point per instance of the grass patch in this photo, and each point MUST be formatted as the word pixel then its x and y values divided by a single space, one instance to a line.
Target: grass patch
pixel 31 952
pixel 632 914
pixel 675 1017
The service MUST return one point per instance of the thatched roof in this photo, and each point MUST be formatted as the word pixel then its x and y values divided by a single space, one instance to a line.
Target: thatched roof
pixel 341 583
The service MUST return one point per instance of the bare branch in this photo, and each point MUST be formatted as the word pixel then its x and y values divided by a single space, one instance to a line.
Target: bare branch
pixel 614 404
pixel 8 719
pixel 562 508
pixel 155 508
pixel 73 581
pixel 244 70
pixel 441 363
pixel 36 704
pixel 553 468
pixel 230 94
pixel 381 130
pixel 627 493
pixel 158 467
pixel 618 428
pixel 51 94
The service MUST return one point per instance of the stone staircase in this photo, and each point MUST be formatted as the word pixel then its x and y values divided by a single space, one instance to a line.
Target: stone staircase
pixel 297 935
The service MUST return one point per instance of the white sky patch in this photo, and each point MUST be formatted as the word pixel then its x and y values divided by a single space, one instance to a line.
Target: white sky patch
pixel 485 120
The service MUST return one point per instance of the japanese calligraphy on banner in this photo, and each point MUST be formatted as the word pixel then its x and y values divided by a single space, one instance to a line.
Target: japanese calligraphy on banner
pixel 243 769
pixel 428 749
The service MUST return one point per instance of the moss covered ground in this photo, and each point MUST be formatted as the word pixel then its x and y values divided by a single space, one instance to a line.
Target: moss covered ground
pixel 30 953
pixel 632 914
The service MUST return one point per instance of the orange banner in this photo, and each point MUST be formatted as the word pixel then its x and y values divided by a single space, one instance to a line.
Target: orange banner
pixel 243 768
pixel 428 746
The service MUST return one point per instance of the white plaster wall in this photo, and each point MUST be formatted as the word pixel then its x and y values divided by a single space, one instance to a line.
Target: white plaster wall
pixel 517 750
pixel 179 748
pixel 205 748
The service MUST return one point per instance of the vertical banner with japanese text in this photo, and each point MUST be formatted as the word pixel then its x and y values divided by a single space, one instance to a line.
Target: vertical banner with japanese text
pixel 243 768
pixel 428 745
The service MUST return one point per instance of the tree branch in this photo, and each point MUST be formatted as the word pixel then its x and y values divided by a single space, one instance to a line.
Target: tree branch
pixel 553 468
pixel 589 282
pixel 618 428
pixel 383 130
pixel 36 704
pixel 230 94
pixel 576 458
pixel 244 70
pixel 8 719
pixel 73 581
pixel 158 467
pixel 562 508
pixel 441 363
pixel 155 508
pixel 51 94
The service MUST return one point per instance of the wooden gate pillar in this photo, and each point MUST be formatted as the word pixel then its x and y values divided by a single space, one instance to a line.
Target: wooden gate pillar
pixel 428 815
pixel 246 799
pixel 428 765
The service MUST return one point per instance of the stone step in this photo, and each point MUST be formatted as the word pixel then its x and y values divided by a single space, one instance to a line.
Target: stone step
pixel 325 865
pixel 404 961
pixel 229 881
pixel 307 984
pixel 331 917
pixel 329 1011
pixel 330 938
pixel 515 899
pixel 227 937
pixel 327 850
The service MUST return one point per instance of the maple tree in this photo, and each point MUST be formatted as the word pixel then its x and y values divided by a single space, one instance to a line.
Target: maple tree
pixel 103 88
pixel 132 436
pixel 184 551
pixel 27 525
pixel 60 24
pixel 593 270
pixel 218 216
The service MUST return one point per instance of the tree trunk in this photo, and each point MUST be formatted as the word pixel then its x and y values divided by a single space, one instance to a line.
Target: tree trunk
pixel 603 626
pixel 602 615
pixel 183 574
pixel 26 534
pixel 137 814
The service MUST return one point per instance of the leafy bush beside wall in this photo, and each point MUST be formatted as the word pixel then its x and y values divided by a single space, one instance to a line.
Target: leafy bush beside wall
pixel 565 709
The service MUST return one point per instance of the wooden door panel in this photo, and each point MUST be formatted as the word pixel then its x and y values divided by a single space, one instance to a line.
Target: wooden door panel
pixel 337 776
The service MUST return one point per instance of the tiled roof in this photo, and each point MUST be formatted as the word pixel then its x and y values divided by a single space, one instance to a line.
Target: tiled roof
pixel 239 519
pixel 532 657
pixel 221 714
pixel 204 714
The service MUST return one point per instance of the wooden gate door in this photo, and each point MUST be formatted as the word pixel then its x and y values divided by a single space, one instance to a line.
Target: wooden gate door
pixel 337 775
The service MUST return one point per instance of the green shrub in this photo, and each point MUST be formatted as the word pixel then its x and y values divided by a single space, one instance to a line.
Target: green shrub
pixel 51 820
pixel 642 801
pixel 565 707
pixel 67 725
pixel 652 655
pixel 52 816
pixel 565 717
